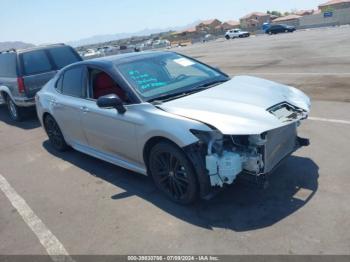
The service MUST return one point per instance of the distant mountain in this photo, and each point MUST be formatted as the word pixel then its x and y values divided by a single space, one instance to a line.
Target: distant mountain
pixel 112 37
pixel 15 45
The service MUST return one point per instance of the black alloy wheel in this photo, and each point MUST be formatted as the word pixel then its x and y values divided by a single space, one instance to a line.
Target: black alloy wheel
pixel 173 173
pixel 54 133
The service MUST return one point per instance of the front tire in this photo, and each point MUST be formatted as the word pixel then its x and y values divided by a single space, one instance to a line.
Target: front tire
pixel 54 133
pixel 15 112
pixel 173 173
pixel 227 37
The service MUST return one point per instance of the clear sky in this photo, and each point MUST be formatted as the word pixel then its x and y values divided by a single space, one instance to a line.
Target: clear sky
pixel 46 21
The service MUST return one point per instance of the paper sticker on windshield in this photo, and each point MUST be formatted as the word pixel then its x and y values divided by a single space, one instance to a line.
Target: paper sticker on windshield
pixel 184 62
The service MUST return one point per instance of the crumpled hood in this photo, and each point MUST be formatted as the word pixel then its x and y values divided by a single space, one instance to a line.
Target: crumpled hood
pixel 239 106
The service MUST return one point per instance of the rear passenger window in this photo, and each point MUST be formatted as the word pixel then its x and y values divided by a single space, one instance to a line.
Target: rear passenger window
pixel 72 82
pixel 63 56
pixel 35 62
pixel 8 65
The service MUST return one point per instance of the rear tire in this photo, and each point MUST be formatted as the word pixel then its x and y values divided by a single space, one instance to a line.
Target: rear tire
pixel 15 112
pixel 173 173
pixel 55 135
pixel 227 37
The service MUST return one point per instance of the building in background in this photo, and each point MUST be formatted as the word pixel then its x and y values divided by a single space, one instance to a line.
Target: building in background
pixel 209 26
pixel 332 13
pixel 273 17
pixel 254 21
pixel 334 5
pixel 292 20
pixel 304 12
pixel 230 25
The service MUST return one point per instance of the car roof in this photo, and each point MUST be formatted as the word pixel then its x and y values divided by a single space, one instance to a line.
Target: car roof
pixel 40 47
pixel 122 58
pixel 14 51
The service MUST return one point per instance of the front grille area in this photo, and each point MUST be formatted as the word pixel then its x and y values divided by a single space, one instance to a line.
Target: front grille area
pixel 280 143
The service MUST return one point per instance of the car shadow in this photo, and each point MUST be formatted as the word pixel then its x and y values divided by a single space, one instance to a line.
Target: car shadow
pixel 30 120
pixel 238 207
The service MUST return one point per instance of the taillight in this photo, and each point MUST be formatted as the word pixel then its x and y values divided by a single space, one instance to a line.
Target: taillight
pixel 20 84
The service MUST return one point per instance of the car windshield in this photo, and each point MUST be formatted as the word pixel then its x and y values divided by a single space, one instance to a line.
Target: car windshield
pixel 168 75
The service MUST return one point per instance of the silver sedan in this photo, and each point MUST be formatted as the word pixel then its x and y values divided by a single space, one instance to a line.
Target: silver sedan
pixel 189 126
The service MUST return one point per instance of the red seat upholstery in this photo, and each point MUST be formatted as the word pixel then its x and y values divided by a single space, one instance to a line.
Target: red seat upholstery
pixel 105 85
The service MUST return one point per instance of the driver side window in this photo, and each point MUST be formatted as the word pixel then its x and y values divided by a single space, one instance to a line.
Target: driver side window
pixel 101 84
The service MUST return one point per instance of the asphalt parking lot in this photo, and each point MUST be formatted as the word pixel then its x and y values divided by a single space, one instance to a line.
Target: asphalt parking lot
pixel 315 60
pixel 92 207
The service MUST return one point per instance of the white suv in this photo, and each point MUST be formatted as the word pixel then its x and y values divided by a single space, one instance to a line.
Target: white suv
pixel 234 33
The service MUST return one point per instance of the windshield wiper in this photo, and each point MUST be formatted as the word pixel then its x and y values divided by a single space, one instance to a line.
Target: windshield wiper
pixel 210 84
pixel 162 98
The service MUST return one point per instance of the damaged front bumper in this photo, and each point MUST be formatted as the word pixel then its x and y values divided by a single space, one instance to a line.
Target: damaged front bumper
pixel 221 159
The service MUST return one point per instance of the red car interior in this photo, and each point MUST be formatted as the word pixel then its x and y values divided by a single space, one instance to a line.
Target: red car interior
pixel 105 85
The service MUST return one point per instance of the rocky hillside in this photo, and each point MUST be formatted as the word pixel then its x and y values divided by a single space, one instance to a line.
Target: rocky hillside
pixel 16 45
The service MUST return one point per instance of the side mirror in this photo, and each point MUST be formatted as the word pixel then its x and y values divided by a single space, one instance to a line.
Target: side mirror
pixel 111 101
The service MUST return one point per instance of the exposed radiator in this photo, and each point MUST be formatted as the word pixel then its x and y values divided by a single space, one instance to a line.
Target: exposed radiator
pixel 280 143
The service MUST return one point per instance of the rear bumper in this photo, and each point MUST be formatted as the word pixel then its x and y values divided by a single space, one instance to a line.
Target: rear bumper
pixel 24 102
pixel 19 101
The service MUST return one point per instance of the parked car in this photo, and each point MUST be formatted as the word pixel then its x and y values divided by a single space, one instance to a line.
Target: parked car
pixel 276 29
pixel 91 53
pixel 107 50
pixel 186 124
pixel 161 43
pixel 25 72
pixel 236 33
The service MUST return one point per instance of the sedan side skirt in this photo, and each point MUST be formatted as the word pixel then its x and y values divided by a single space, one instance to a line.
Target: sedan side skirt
pixel 110 159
